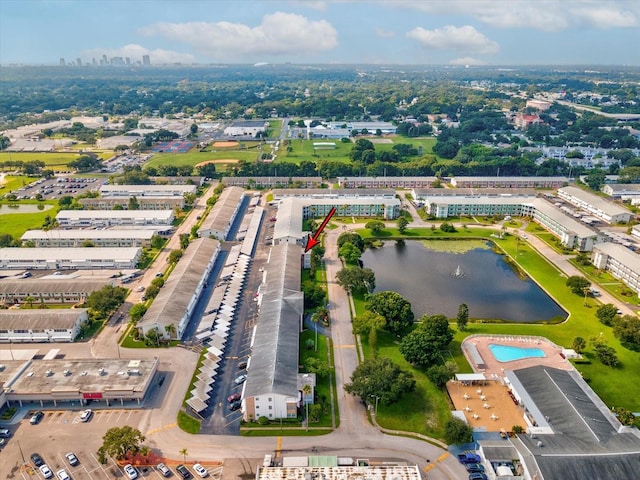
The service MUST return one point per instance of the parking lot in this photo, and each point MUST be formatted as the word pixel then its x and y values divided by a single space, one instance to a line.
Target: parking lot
pixel 57 187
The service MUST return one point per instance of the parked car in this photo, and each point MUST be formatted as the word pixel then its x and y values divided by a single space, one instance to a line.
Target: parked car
pixel 36 417
pixel 240 379
pixel 469 457
pixel 164 470
pixel 242 365
pixel 233 398
pixel 3 442
pixel 37 459
pixel 5 433
pixel 200 470
pixel 63 475
pixel 131 472
pixel 46 471
pixel 85 416
pixel 474 468
pixel 183 471
pixel 478 476
pixel 234 406
pixel 72 459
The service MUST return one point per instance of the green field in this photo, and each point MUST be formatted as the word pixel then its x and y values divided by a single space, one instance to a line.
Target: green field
pixel 17 224
pixel 51 159
pixel 12 183
pixel 424 410
pixel 194 156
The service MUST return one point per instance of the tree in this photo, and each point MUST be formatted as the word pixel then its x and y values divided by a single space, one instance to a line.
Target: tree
pixel 439 375
pixel 606 354
pixel 423 345
pixel 157 241
pixel 607 313
pixel 356 279
pixel 119 441
pixel 463 317
pixel 448 227
pixel 170 329
pixel 133 203
pixel 174 256
pixel 382 378
pixel 207 170
pixel 107 299
pixel 395 309
pixel 193 128
pixel 65 202
pixel 457 431
pixel 374 225
pixel 314 295
pixel 350 253
pixel 627 330
pixel 402 224
pixel 369 323
pixel 577 284
pixel 137 311
pixel 350 237
pixel 579 344
pixel 6 240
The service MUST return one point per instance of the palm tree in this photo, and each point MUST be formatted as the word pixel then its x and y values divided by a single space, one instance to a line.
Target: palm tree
pixel 170 329
pixel 184 454
pixel 30 301
pixel 306 390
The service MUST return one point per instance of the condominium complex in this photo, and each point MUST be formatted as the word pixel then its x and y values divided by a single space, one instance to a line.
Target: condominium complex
pixel 509 182
pixel 123 203
pixel 69 258
pixel 620 262
pixel 61 238
pixel 599 207
pixel 108 218
pixel 221 217
pixel 146 190
pixel 387 182
pixel 272 182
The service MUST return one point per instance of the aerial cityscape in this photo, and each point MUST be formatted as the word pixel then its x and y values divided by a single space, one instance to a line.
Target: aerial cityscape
pixel 298 239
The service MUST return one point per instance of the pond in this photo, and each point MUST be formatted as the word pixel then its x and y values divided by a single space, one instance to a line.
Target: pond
pixel 437 277
pixel 23 208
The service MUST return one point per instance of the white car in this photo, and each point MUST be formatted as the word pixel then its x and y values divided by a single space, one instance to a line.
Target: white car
pixel 163 469
pixel 72 459
pixel 131 472
pixel 200 470
pixel 63 475
pixel 86 415
pixel 45 471
pixel 240 379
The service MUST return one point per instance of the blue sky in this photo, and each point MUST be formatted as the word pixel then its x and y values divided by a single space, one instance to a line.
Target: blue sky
pixel 441 32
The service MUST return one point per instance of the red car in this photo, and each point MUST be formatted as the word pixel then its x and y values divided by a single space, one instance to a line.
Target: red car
pixel 233 398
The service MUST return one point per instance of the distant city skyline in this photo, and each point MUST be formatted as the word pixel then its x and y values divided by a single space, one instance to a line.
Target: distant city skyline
pixel 439 32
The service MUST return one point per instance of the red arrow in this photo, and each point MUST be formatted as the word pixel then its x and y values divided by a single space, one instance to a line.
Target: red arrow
pixel 313 241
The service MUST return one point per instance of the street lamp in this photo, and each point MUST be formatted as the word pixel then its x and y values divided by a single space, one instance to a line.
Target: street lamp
pixel 375 411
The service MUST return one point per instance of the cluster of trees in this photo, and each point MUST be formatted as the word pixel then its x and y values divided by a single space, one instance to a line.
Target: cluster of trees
pixel 626 328
pixel 86 162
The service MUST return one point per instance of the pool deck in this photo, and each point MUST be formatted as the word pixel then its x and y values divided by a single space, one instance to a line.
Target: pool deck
pixel 492 368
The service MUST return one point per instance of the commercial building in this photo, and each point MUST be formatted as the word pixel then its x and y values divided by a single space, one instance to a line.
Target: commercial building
pixel 144 203
pixel 49 291
pixel 246 128
pixel 171 310
pixel 620 262
pixel 272 182
pixel 41 325
pixel 69 258
pixel 320 469
pixel 603 209
pixel 272 390
pixel 571 433
pixel 60 238
pixel 221 217
pixel 146 190
pixel 509 182
pixel 54 383
pixel 387 182
pixel 112 218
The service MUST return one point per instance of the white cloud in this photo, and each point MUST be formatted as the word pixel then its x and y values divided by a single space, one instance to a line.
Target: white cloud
pixel 466 61
pixel 382 33
pixel 135 53
pixel 313 4
pixel 278 34
pixel 464 39
pixel 547 15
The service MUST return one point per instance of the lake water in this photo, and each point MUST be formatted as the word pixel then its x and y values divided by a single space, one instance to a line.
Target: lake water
pixel 487 284
pixel 23 208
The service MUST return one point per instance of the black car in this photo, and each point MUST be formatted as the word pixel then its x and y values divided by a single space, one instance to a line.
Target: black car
pixel 37 459
pixel 183 471
pixel 474 468
pixel 242 366
pixel 235 406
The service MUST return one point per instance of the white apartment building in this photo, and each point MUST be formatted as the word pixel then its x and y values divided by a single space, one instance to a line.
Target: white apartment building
pixel 144 203
pixel 623 191
pixel 69 258
pixel 112 218
pixel 146 190
pixel 41 325
pixel 620 262
pixel 60 238
pixel 221 217
pixel 387 182
pixel 509 182
pixel 605 210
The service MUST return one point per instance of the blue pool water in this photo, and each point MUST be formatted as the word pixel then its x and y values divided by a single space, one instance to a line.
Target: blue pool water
pixel 504 353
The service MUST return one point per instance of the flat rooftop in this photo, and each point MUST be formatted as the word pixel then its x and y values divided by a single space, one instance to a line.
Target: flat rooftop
pixel 594 200
pixel 391 472
pixel 40 319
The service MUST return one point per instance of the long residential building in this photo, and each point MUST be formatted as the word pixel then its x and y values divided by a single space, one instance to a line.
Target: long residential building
pixel 272 182
pixel 146 190
pixel 41 325
pixel 192 180
pixel 271 389
pixel 61 238
pixel 171 310
pixel 620 262
pixel 341 193
pixel 50 291
pixel 509 182
pixel 622 191
pixel 419 194
pixel 69 258
pixel 387 182
pixel 603 209
pixel 112 218
pixel 222 215
pixel 144 203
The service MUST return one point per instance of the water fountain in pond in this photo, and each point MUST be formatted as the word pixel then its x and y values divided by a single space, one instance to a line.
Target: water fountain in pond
pixel 458 273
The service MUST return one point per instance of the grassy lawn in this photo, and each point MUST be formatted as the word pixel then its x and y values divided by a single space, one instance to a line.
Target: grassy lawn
pixel 188 423
pixel 12 183
pixel 51 159
pixel 425 410
pixel 17 224
pixel 323 385
pixel 195 156
pixel 607 282
pixel 275 128
pixel 302 150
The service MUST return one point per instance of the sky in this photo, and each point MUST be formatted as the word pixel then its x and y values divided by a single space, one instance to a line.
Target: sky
pixel 424 32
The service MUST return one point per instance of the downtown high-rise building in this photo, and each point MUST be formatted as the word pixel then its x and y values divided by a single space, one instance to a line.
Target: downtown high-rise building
pixel 146 60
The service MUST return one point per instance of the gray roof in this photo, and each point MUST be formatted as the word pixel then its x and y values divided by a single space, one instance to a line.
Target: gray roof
pixel 9 286
pixel 334 192
pixel 274 358
pixel 569 223
pixel 621 254
pixel 511 179
pixel 474 192
pixel 88 234
pixel 221 214
pixel 171 303
pixel 91 214
pixel 587 440
pixel 119 254
pixel 40 319
pixel 594 200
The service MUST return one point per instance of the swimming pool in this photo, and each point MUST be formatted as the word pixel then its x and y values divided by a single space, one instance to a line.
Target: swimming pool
pixel 505 353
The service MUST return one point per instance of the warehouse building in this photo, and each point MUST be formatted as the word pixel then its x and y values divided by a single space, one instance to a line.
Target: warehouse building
pixel 222 215
pixel 599 207
pixel 59 238
pixel 620 262
pixel 41 325
pixel 113 218
pixel 69 258
pixel 171 310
